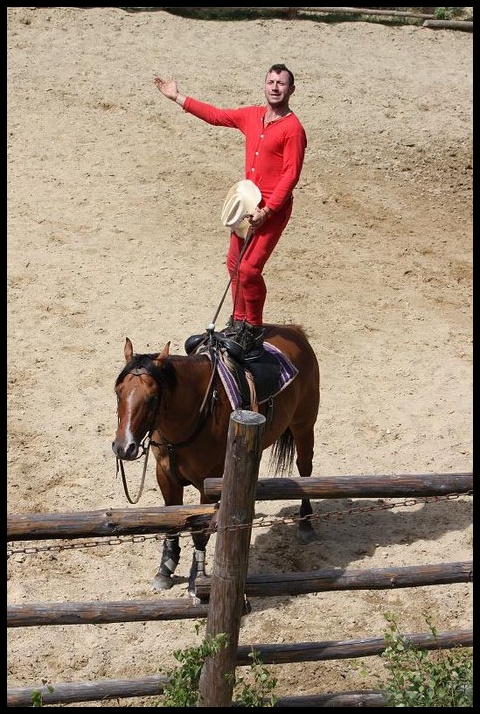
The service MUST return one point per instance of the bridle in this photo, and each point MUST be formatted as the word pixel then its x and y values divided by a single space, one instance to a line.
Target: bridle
pixel 205 411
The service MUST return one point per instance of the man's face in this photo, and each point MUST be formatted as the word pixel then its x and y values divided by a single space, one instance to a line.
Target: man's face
pixel 277 88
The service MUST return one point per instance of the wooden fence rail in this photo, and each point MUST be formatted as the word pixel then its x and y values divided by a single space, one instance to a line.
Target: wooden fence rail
pixel 123 521
pixel 271 585
pixel 382 486
pixel 108 522
pixel 292 12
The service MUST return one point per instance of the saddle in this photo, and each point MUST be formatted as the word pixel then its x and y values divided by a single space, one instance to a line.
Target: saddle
pixel 249 381
pixel 209 340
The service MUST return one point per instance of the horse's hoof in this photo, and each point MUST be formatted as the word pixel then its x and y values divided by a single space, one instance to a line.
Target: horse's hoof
pixel 162 582
pixel 192 590
pixel 306 534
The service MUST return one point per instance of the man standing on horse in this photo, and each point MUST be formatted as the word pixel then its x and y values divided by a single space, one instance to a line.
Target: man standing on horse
pixel 275 143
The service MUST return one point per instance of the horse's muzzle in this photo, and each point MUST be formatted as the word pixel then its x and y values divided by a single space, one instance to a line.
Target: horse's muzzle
pixel 125 452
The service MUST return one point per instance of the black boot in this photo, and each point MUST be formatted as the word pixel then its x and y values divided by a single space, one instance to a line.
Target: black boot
pixel 232 328
pixel 250 337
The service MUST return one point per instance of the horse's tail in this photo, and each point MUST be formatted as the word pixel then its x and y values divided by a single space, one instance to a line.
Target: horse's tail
pixel 282 454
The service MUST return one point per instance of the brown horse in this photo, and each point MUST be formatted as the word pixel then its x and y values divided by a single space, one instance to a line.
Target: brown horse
pixel 178 406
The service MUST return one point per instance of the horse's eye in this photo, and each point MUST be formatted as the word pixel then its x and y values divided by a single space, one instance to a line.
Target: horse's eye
pixel 152 401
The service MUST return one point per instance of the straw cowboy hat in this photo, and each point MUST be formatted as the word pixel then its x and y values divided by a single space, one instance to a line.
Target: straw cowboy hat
pixel 241 201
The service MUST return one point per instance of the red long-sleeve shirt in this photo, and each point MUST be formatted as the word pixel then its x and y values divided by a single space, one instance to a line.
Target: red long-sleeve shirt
pixel 273 154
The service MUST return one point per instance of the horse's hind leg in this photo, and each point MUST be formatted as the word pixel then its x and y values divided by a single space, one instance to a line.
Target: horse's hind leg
pixel 200 537
pixel 197 570
pixel 304 446
pixel 163 580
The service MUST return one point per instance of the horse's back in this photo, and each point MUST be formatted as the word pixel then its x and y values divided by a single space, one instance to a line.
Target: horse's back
pixel 293 341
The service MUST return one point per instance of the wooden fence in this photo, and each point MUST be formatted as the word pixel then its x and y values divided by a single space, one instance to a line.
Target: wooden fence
pixel 427 14
pixel 222 597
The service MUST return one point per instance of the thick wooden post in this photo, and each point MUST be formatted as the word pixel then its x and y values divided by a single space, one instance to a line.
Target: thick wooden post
pixel 235 516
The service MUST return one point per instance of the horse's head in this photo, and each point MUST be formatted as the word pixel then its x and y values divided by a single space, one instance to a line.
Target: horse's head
pixel 138 395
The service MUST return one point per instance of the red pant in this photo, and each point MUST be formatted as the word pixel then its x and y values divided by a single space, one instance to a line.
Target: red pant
pixel 248 287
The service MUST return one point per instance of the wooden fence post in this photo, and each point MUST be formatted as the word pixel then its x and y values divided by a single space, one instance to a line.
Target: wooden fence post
pixel 237 508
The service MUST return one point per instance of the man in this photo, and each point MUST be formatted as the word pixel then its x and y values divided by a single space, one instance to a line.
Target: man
pixel 275 143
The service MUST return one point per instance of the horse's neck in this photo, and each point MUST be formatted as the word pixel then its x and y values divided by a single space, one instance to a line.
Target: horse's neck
pixel 182 404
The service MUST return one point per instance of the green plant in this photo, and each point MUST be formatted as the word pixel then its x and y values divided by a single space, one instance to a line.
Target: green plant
pixel 424 678
pixel 181 689
pixel 36 696
pixel 260 693
pixel 447 13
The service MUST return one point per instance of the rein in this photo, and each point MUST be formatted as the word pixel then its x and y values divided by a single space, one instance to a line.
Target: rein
pixel 147 441
pixel 145 445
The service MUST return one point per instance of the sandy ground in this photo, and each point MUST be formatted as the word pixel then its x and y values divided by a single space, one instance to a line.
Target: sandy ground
pixel 114 200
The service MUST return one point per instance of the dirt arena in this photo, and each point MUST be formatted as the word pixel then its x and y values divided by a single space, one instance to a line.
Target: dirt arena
pixel 114 201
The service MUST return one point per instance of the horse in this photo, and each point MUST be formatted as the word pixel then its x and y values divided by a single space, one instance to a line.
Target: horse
pixel 177 406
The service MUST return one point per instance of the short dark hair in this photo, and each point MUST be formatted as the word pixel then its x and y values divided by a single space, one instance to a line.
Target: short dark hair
pixel 277 68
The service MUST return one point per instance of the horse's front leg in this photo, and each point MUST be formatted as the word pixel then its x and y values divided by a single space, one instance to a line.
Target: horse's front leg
pixel 163 580
pixel 172 493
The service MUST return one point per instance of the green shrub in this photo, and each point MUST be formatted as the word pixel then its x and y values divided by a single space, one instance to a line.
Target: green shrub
pixel 448 13
pixel 36 696
pixel 259 694
pixel 425 678
pixel 183 681
pixel 182 687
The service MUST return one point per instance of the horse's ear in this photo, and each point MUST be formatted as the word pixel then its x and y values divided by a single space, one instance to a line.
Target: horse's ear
pixel 164 353
pixel 128 350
